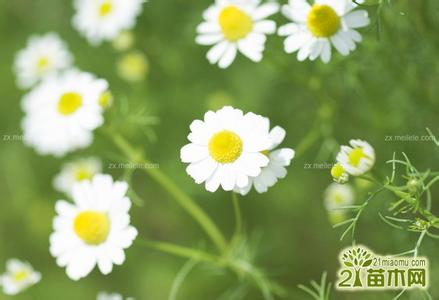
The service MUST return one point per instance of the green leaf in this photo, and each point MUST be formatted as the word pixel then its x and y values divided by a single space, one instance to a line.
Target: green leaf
pixel 348 264
pixel 367 263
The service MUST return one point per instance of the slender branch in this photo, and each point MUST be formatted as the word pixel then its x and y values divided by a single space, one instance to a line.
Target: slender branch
pixel 238 217
pixel 194 254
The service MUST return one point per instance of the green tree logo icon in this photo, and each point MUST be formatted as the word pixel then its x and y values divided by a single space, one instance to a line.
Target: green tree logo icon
pixel 357 258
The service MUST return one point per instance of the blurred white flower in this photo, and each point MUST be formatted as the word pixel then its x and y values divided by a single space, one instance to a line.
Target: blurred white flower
pixel 103 20
pixel 315 27
pixel 226 148
pixel 133 66
pixel 338 195
pixel 339 174
pixel 76 171
pixel 236 25
pixel 111 296
pixel 18 277
pixel 95 229
pixel 279 159
pixel 62 112
pixel 43 55
pixel 357 159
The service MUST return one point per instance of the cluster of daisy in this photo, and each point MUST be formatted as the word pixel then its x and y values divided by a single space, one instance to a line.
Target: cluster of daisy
pixel 235 151
pixel 354 160
pixel 64 105
pixel 233 26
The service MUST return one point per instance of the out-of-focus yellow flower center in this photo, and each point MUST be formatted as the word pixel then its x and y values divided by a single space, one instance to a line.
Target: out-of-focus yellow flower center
pixel 69 103
pixel 105 8
pixel 83 173
pixel 106 99
pixel 355 156
pixel 133 66
pixel 235 24
pixel 21 275
pixel 323 21
pixel 42 64
pixel 337 171
pixel 338 198
pixel 92 227
pixel 225 146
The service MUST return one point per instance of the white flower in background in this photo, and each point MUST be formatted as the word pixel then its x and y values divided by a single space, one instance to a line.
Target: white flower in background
pixel 316 27
pixel 62 112
pixel 226 148
pixel 338 195
pixel 279 159
pixel 76 171
pixel 236 25
pixel 95 229
pixel 339 174
pixel 43 55
pixel 103 20
pixel 357 159
pixel 18 277
pixel 111 296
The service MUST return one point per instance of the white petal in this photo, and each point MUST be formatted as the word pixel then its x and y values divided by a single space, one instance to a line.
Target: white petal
pixel 193 153
pixel 357 19
pixel 265 26
pixel 228 57
pixel 209 39
pixel 265 10
pixel 216 52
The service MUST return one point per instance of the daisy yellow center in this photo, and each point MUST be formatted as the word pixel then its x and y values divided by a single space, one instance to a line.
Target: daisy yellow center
pixel 105 8
pixel 83 174
pixel 235 24
pixel 355 156
pixel 225 146
pixel 21 275
pixel 69 103
pixel 92 227
pixel 337 171
pixel 42 63
pixel 322 20
pixel 265 152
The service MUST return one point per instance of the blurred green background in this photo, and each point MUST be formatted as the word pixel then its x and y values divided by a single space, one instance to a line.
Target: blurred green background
pixel 388 87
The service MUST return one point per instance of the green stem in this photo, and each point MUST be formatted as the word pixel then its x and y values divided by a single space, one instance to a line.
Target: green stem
pixel 187 203
pixel 196 255
pixel 238 217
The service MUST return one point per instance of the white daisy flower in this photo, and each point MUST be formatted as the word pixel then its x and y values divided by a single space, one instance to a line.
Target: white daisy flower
pixel 279 159
pixel 62 112
pixel 111 296
pixel 76 171
pixel 357 159
pixel 103 20
pixel 226 148
pixel 339 174
pixel 18 277
pixel 338 195
pixel 95 229
pixel 236 25
pixel 315 27
pixel 43 55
